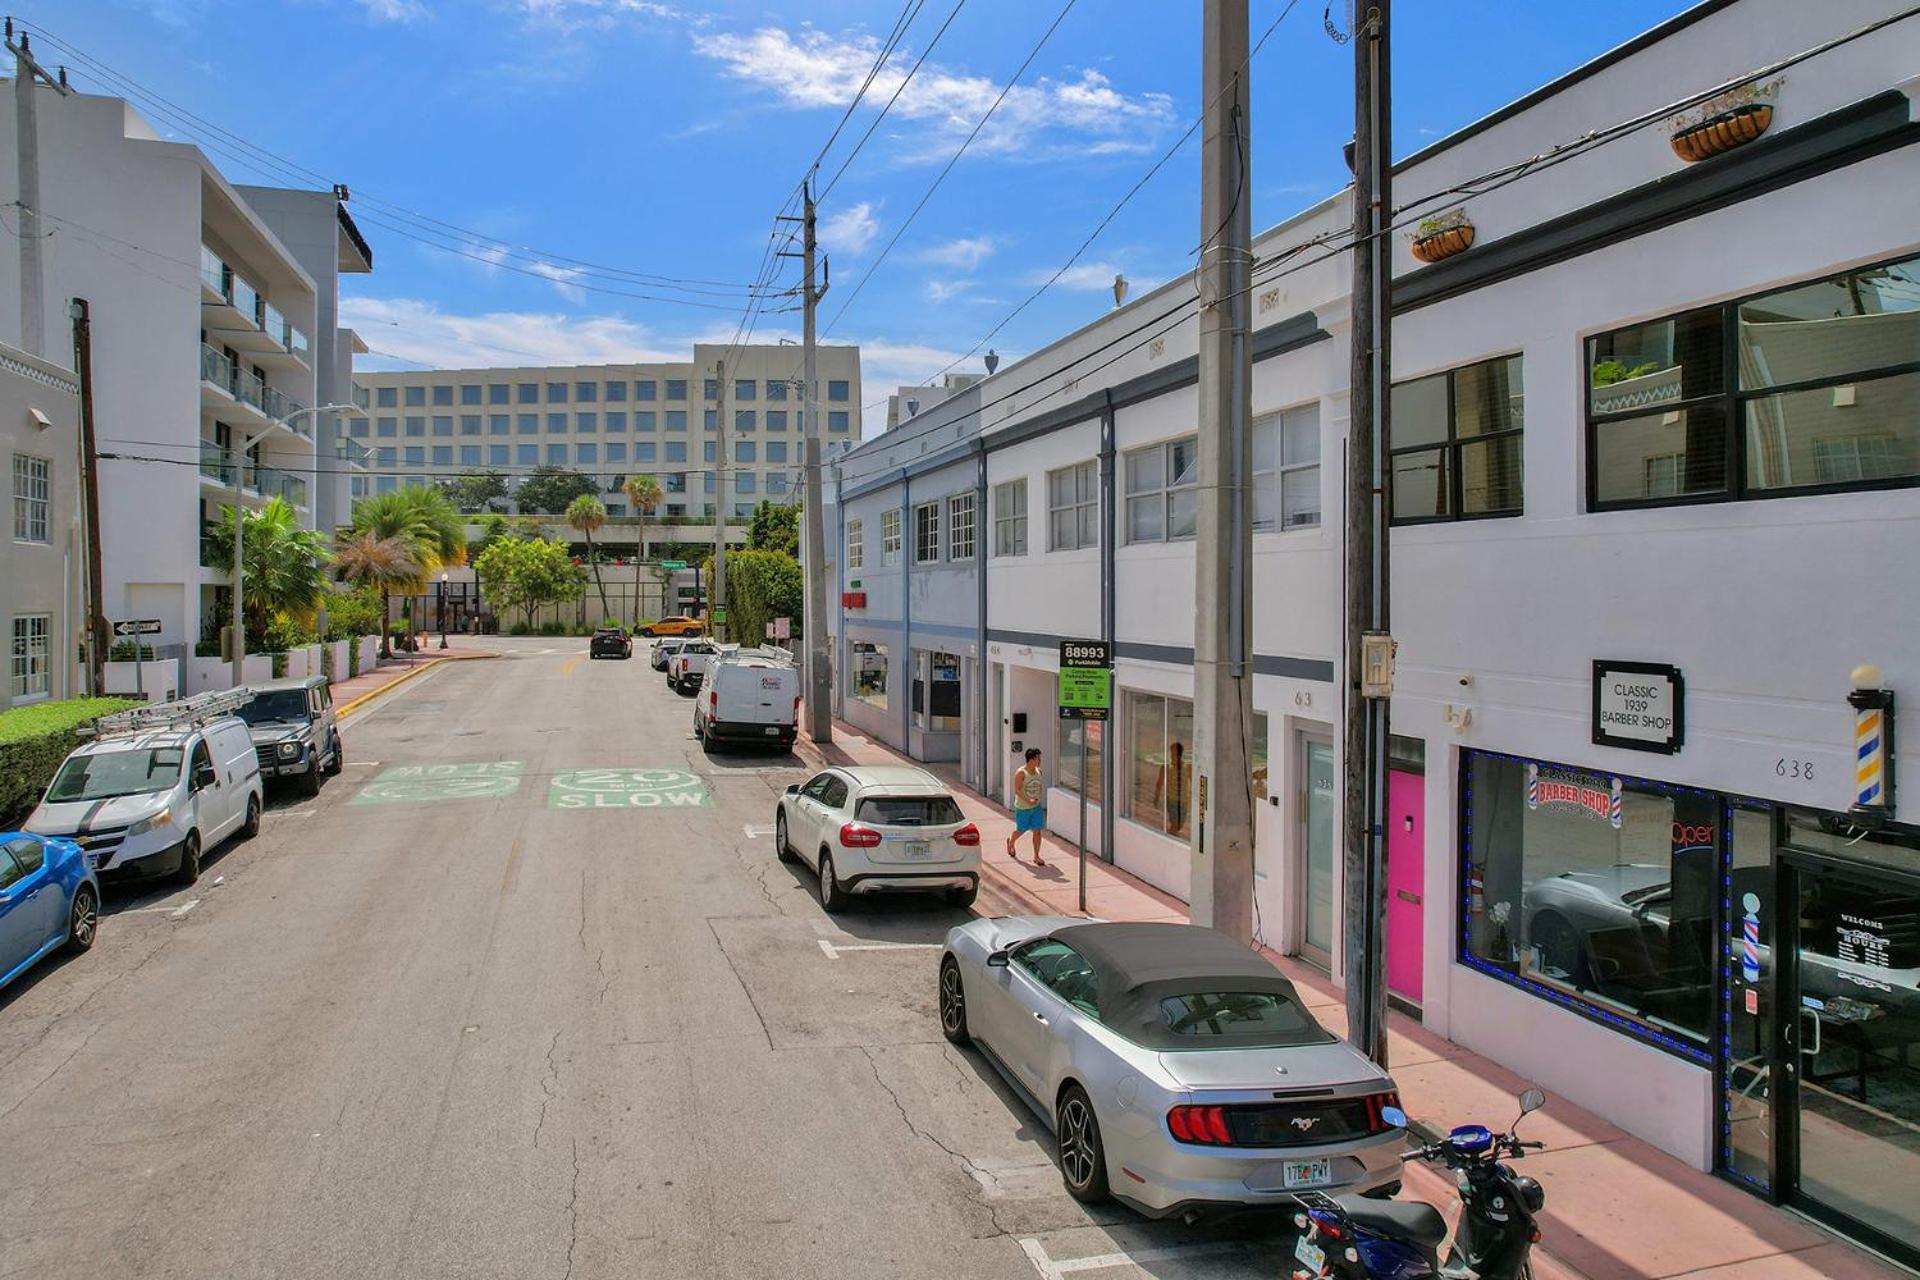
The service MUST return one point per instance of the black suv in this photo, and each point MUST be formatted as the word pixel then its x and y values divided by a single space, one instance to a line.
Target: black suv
pixel 294 732
pixel 610 642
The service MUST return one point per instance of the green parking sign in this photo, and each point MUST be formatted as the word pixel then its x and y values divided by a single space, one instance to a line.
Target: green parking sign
pixel 1086 680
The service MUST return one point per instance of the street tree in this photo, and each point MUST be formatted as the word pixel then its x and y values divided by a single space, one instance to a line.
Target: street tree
pixel 761 586
pixel 644 493
pixel 775 527
pixel 285 574
pixel 586 514
pixel 550 490
pixel 381 564
pixel 433 533
pixel 529 573
pixel 479 492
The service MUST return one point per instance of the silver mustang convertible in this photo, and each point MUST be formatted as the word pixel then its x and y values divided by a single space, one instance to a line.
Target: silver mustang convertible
pixel 1178 1068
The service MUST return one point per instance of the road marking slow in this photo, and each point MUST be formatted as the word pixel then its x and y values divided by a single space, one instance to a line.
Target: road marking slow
pixel 833 951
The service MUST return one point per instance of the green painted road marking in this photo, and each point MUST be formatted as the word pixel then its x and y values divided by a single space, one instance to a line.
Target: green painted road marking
pixel 627 789
pixel 423 783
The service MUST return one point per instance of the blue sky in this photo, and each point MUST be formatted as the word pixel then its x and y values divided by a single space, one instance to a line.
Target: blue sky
pixel 659 139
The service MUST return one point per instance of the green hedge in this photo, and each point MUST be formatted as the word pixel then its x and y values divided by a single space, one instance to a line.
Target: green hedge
pixel 33 742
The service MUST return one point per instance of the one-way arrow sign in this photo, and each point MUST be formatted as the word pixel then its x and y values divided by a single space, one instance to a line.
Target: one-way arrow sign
pixel 137 627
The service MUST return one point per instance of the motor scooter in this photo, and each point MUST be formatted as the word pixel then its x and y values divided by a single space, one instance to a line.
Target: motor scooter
pixel 1356 1238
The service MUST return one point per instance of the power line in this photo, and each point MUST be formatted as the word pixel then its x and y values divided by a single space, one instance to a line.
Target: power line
pixel 955 159
pixel 898 90
pixel 908 13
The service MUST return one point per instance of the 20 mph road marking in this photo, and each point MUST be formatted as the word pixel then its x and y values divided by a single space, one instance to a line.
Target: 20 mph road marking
pixel 834 952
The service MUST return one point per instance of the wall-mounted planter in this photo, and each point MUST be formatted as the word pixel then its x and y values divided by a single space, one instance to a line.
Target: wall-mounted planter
pixel 1444 243
pixel 1722 132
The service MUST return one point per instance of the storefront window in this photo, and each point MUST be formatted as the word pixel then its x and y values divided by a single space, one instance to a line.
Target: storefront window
pixel 936 691
pixel 870 673
pixel 1072 734
pixel 1160 762
pixel 1597 892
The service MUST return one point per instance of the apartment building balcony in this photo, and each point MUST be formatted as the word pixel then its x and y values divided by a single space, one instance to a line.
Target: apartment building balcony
pixel 225 387
pixel 355 454
pixel 239 312
pixel 256 480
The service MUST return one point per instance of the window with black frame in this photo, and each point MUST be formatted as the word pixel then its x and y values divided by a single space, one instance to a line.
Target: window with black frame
pixel 1596 891
pixel 1457 440
pixel 1812 388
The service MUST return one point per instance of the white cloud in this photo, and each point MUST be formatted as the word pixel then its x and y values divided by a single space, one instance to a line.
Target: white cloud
pixel 814 69
pixel 571 15
pixel 965 253
pixel 418 332
pixel 850 230
pixel 394 10
pixel 947 290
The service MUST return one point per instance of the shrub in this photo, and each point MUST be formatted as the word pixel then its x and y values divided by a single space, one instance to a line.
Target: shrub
pixel 353 657
pixel 280 666
pixel 283 634
pixel 553 628
pixel 206 648
pixel 122 651
pixel 519 629
pixel 33 742
pixel 352 614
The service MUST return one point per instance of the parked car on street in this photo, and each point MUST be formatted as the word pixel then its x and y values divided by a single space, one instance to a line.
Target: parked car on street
pixel 879 828
pixel 663 649
pixel 157 788
pixel 609 642
pixel 294 731
pixel 677 625
pixel 688 665
pixel 49 900
pixel 1178 1068
pixel 748 696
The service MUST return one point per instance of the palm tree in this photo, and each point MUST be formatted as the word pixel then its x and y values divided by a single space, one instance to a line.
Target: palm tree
pixel 387 564
pixel 586 514
pixel 644 493
pixel 285 571
pixel 417 524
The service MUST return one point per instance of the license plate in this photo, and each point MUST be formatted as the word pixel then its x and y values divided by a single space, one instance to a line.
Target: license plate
pixel 1311 1254
pixel 773 731
pixel 1306 1173
pixel 919 849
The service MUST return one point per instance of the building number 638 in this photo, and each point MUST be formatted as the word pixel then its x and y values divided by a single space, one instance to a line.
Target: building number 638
pixel 1802 769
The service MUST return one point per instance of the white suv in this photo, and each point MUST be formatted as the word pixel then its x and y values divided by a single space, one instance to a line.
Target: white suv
pixel 879 829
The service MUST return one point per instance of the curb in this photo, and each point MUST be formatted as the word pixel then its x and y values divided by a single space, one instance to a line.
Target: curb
pixel 343 711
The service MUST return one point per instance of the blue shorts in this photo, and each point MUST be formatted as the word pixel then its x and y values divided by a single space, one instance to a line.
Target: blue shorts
pixel 1034 819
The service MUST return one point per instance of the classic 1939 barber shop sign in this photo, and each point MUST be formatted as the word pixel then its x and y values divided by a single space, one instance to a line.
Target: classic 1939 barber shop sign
pixel 1638 705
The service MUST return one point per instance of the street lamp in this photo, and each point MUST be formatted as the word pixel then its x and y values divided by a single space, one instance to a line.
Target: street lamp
pixel 440 610
pixel 239 521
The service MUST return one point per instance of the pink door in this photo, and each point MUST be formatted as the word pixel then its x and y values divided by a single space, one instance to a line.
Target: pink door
pixel 1406 861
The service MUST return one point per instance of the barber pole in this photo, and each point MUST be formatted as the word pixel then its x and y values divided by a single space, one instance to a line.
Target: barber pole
pixel 1872 747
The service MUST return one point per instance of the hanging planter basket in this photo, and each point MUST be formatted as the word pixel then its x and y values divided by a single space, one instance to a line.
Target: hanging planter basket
pixel 1444 243
pixel 1723 132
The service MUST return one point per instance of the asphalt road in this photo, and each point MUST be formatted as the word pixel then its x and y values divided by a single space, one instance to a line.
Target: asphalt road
pixel 525 993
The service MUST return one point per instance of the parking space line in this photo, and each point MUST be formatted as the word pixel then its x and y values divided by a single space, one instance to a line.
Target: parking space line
pixel 170 909
pixel 833 951
pixel 755 832
pixel 1050 1269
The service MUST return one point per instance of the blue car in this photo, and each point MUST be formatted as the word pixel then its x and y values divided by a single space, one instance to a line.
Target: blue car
pixel 49 900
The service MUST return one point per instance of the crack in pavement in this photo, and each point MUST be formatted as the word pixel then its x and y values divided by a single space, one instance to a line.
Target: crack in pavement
pixel 61 1066
pixel 573 1209
pixel 977 1175
pixel 745 990
pixel 547 1083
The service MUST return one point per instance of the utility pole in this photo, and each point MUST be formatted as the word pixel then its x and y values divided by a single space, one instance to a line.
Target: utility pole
pixel 1220 806
pixel 96 611
pixel 719 600
pixel 1368 648
pixel 813 618
pixel 33 331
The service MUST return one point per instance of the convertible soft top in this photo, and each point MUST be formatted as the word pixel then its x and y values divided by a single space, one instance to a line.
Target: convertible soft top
pixel 1137 965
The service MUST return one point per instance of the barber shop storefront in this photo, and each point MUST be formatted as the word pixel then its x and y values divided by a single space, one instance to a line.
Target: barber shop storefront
pixel 1776 947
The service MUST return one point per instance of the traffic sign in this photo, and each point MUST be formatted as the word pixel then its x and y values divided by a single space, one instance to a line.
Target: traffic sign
pixel 1086 679
pixel 672 565
pixel 137 627
pixel 720 615
pixel 782 628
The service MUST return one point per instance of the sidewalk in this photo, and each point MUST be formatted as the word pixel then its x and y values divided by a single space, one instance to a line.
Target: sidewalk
pixel 1617 1207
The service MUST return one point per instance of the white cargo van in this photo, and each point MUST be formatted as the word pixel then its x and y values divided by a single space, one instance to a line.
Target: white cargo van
pixel 748 696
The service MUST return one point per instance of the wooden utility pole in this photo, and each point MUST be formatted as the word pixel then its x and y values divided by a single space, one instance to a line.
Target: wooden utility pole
pixel 1364 807
pixel 1220 806
pixel 96 610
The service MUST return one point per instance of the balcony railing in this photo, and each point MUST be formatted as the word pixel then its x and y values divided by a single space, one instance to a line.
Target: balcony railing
pixel 295 341
pixel 249 389
pixel 250 302
pixel 272 482
pixel 354 453
pixel 214 464
pixel 362 397
pixel 215 274
pixel 285 408
pixel 217 369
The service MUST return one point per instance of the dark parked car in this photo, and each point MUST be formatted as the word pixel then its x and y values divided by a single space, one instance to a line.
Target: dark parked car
pixel 294 731
pixel 610 642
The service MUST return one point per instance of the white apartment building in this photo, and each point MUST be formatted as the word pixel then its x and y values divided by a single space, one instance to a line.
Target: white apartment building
pixel 613 421
pixel 1657 428
pixel 205 368
pixel 41 560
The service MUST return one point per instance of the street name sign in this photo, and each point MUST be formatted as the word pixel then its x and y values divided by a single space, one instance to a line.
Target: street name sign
pixel 1086 679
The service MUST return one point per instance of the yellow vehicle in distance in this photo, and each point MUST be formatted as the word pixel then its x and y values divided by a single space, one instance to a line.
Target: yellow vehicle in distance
pixel 677 625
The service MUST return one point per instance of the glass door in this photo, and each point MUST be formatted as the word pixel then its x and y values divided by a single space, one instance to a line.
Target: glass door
pixel 1851 1009
pixel 1319 805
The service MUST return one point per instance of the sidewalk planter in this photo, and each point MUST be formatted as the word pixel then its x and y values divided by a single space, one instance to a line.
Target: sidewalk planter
pixel 337 660
pixel 1443 242
pixel 256 668
pixel 369 652
pixel 159 676
pixel 1723 132
pixel 204 675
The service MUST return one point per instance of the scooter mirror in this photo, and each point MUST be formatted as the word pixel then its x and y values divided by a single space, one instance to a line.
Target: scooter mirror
pixel 1532 1100
pixel 1394 1116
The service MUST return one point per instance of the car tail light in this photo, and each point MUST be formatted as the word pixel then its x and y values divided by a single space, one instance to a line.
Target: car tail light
pixel 1204 1125
pixel 855 836
pixel 713 699
pixel 967 836
pixel 1377 1103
